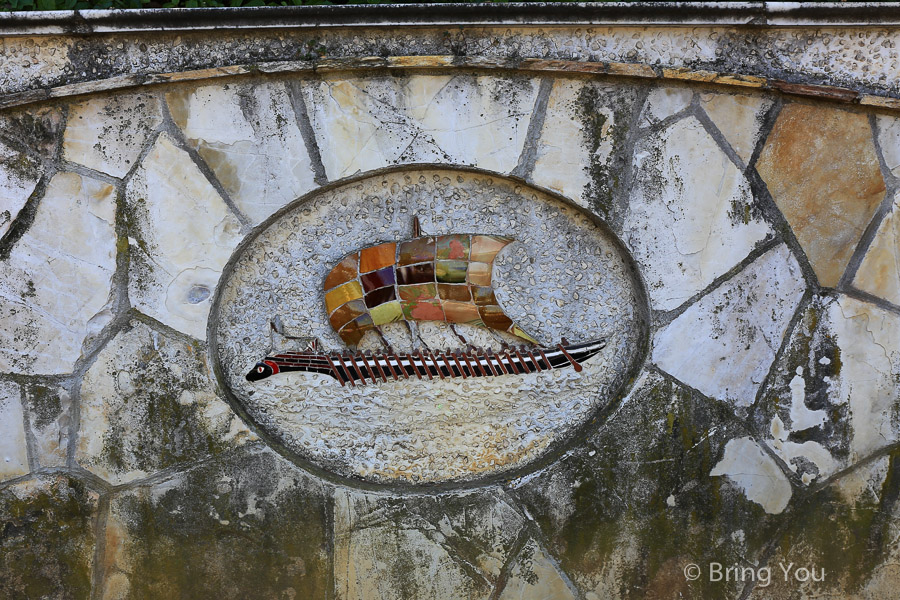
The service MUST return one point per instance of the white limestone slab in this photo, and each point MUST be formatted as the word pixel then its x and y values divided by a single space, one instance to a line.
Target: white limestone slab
pixel 724 344
pixel 364 124
pixel 19 175
pixel 107 134
pixel 692 215
pixel 249 137
pixel 13 452
pixel 756 473
pixel 738 117
pixel 55 286
pixel 182 235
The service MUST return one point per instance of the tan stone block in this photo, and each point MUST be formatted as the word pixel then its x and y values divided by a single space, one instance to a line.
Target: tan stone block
pixel 879 273
pixel 820 166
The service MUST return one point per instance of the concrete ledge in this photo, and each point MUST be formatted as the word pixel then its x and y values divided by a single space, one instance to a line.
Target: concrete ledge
pixel 676 14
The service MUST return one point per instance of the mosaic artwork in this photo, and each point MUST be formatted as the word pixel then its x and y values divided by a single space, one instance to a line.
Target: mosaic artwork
pixel 444 278
pixel 420 354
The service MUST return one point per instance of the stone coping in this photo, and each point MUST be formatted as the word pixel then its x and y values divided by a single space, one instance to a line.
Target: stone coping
pixel 529 65
pixel 756 14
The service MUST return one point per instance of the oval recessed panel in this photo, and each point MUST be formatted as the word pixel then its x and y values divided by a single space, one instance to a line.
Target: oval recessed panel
pixel 564 275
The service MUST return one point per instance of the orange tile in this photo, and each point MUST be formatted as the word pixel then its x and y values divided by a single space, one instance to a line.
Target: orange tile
pixel 377 257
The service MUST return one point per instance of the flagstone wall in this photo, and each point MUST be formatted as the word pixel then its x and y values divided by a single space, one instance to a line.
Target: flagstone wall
pixel 714 195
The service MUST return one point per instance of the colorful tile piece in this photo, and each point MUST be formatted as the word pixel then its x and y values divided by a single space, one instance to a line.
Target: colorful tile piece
pixel 452 247
pixel 423 310
pixel 342 295
pixel 454 291
pixel 354 331
pixel 377 257
pixel 480 273
pixel 461 312
pixel 450 271
pixel 378 279
pixel 347 313
pixel 494 317
pixel 343 272
pixel 416 251
pixel 423 273
pixel 380 296
pixel 483 295
pixel 386 313
pixel 486 247
pixel 413 293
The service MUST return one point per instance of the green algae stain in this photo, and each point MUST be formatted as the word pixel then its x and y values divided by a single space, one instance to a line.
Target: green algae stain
pixel 46 540
pixel 245 529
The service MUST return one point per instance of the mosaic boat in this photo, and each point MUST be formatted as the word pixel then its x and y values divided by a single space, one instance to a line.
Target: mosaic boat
pixel 444 278
pixel 361 368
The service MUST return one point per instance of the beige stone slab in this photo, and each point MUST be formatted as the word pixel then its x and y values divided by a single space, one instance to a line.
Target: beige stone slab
pixel 738 117
pixel 368 123
pixel 879 272
pixel 683 229
pixel 724 344
pixel 13 452
pixel 563 151
pixel 19 175
pixel 248 135
pixel 108 133
pixel 55 286
pixel 535 577
pixel 820 167
pixel 148 403
pixel 181 234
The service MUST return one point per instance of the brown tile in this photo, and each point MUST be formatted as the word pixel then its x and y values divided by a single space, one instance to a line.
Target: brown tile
pixel 461 312
pixel 459 292
pixel 486 247
pixel 347 313
pixel 416 251
pixel 820 167
pixel 378 279
pixel 377 257
pixel 343 272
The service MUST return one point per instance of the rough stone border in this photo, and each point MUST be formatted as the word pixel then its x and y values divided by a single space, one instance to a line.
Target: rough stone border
pixel 549 456
pixel 750 14
pixel 840 95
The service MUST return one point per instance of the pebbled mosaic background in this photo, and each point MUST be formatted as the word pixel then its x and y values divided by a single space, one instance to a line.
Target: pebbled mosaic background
pixel 760 426
pixel 575 283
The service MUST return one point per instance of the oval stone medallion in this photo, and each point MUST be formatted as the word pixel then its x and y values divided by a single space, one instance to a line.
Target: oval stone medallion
pixel 565 275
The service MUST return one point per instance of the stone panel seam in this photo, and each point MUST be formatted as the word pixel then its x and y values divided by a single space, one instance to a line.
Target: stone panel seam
pixel 715 134
pixel 862 296
pixel 528 156
pixel 623 194
pixel 663 318
pixel 301 114
pixel 181 143
pixel 511 559
pixel 30 442
pixel 868 236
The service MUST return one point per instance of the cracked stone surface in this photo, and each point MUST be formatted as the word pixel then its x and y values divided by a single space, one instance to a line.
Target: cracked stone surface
pixel 578 153
pixel 620 511
pixel 181 234
pixel 54 287
pixel 249 137
pixel 13 452
pixel 19 174
pixel 107 134
pixel 248 525
pixel 148 403
pixel 364 124
pixel 879 272
pixel 820 167
pixel 447 546
pixel 763 429
pixel 49 408
pixel 734 331
pixel 685 230
pixel 739 118
pixel 535 576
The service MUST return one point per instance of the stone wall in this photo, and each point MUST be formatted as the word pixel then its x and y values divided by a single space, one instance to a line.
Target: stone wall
pixel 711 192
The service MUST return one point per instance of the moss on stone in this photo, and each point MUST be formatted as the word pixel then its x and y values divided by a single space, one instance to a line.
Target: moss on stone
pixel 46 539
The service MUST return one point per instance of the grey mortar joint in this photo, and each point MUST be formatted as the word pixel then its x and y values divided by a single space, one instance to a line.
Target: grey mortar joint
pixel 528 156
pixel 868 236
pixel 301 114
pixel 181 142
pixel 715 134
